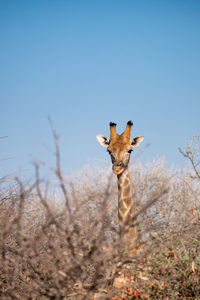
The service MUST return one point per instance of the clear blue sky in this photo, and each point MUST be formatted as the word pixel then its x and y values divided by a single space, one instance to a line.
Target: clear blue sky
pixel 86 63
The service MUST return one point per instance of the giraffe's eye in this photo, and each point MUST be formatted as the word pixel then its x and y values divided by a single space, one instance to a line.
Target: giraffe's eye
pixel 129 151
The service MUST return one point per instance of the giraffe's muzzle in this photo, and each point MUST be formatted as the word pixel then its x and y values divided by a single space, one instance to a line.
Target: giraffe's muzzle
pixel 118 169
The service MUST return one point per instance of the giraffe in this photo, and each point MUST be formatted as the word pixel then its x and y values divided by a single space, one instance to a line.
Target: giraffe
pixel 120 147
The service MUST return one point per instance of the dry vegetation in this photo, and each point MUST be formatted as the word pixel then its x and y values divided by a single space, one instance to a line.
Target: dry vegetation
pixel 60 240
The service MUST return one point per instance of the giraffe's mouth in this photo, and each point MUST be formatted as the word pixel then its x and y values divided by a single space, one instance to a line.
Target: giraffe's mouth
pixel 118 169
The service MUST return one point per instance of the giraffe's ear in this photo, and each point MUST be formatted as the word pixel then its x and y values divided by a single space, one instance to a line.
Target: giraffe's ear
pixel 103 140
pixel 136 141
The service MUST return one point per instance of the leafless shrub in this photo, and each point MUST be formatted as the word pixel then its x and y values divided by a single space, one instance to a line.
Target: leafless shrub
pixel 192 153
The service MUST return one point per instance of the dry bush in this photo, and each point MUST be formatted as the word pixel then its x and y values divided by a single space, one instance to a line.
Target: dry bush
pixel 60 240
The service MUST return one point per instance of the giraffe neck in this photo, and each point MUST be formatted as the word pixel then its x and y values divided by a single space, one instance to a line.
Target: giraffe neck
pixel 125 201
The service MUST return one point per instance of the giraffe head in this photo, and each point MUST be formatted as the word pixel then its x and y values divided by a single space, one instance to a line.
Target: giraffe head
pixel 119 146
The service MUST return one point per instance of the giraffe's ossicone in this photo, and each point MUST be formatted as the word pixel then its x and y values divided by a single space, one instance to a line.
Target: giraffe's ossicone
pixel 120 147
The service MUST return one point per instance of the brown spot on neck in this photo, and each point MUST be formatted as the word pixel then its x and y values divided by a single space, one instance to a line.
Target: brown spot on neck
pixel 126 191
pixel 125 198
pixel 123 179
